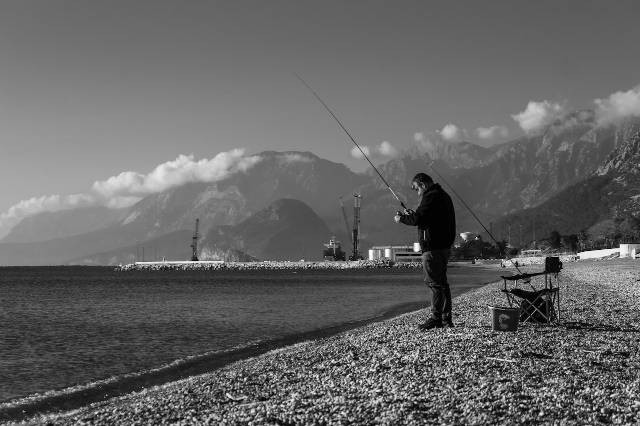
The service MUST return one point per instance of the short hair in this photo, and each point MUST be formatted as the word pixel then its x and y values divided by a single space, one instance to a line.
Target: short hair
pixel 422 178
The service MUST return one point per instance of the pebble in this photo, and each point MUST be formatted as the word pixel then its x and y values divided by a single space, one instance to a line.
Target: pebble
pixel 582 371
pixel 266 265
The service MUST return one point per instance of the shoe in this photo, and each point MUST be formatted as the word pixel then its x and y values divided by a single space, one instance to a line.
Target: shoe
pixel 430 323
pixel 447 323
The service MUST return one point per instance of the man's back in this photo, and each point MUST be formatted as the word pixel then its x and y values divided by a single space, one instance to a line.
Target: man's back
pixel 436 222
pixel 435 219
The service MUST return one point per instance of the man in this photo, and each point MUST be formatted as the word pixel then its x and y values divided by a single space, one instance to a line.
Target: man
pixel 436 222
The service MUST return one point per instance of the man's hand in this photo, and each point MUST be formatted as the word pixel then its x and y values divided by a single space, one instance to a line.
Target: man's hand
pixel 408 211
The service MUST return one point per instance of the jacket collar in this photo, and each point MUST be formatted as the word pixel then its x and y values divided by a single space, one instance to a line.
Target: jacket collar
pixel 434 188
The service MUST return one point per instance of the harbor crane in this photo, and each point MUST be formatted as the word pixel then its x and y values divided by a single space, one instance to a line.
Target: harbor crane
pixel 346 220
pixel 194 243
pixel 355 239
pixel 353 232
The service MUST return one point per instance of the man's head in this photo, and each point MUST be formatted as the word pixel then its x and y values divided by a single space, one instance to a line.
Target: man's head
pixel 421 182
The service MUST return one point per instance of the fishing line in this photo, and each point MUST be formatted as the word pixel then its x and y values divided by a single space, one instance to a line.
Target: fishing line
pixel 385 181
pixel 472 213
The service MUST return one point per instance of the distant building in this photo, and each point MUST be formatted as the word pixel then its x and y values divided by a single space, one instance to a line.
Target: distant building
pixel 629 250
pixel 398 254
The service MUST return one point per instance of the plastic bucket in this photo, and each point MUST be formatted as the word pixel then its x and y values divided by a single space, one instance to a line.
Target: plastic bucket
pixel 504 318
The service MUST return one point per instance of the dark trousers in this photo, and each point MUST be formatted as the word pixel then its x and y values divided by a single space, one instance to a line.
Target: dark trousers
pixel 434 263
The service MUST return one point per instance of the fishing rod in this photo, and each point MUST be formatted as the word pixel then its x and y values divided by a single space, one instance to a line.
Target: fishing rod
pixel 351 137
pixel 472 213
pixel 385 181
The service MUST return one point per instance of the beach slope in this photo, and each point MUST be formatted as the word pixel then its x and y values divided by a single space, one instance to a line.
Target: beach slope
pixel 584 371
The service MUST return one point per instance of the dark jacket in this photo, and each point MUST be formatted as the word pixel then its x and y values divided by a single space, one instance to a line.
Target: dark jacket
pixel 435 219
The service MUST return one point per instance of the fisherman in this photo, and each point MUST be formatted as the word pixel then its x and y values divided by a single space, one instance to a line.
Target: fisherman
pixel 436 222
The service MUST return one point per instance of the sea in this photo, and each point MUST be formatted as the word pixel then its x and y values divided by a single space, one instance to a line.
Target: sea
pixel 68 330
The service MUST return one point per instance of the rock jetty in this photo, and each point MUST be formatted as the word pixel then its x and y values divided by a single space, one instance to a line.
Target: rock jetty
pixel 584 371
pixel 266 265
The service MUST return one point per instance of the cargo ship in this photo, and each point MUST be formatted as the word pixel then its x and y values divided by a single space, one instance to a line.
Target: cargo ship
pixel 333 250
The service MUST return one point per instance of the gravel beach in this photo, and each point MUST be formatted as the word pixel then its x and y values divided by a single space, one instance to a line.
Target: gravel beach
pixel 584 371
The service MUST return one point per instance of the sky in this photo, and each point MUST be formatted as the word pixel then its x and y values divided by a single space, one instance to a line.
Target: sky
pixel 90 89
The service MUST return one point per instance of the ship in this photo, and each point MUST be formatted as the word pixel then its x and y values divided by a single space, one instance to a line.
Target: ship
pixel 333 250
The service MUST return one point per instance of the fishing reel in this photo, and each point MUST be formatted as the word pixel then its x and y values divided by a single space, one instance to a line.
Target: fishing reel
pixel 405 212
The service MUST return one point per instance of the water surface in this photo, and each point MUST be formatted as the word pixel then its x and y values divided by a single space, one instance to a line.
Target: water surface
pixel 66 326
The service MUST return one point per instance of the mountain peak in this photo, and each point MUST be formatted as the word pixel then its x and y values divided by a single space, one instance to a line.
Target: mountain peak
pixel 464 155
pixel 283 209
pixel 624 159
pixel 285 229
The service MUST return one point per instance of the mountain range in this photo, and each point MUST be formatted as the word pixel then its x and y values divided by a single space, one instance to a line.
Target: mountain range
pixel 611 193
pixel 569 177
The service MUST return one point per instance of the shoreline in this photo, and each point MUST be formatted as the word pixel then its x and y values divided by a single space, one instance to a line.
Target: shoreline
pixel 75 397
pixel 581 371
pixel 193 366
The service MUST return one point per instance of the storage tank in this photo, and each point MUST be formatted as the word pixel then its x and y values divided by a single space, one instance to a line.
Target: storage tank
pixel 388 253
pixel 372 254
pixel 467 236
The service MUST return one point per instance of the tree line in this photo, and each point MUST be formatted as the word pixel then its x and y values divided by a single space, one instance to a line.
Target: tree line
pixel 608 233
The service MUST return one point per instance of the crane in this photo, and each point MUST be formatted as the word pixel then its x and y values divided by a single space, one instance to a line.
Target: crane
pixel 346 221
pixel 355 239
pixel 194 243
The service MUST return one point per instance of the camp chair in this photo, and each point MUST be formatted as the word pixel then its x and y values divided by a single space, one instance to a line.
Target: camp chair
pixel 541 304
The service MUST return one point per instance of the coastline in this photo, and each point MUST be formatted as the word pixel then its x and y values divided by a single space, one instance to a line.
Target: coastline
pixel 99 391
pixel 387 372
pixel 70 398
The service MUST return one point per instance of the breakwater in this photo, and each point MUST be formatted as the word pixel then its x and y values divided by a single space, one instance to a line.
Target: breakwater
pixel 278 265
pixel 265 265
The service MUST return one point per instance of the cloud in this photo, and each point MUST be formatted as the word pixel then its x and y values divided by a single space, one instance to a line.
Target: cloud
pixel 356 153
pixel 121 190
pixel 538 115
pixel 34 205
pixel 49 203
pixel 491 133
pixel 452 133
pixel 382 152
pixel 427 141
pixel 388 150
pixel 618 106
pixel 127 188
